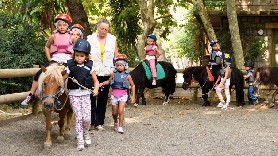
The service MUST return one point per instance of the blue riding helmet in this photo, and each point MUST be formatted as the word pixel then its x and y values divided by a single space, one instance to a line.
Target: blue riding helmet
pixel 82 46
pixel 152 36
pixel 249 63
pixel 213 42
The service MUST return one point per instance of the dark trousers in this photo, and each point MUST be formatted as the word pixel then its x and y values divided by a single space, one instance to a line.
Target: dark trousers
pixel 215 71
pixel 99 103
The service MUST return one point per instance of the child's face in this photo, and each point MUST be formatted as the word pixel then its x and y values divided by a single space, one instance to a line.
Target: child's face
pixel 247 68
pixel 75 36
pixel 215 47
pixel 120 67
pixel 62 26
pixel 79 57
pixel 150 41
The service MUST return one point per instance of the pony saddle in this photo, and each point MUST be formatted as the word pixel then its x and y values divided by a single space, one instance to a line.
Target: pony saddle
pixel 160 73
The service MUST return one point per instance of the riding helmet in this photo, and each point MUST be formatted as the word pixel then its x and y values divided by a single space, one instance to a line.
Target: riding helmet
pixel 82 46
pixel 78 28
pixel 64 17
pixel 213 42
pixel 152 36
pixel 122 58
pixel 249 63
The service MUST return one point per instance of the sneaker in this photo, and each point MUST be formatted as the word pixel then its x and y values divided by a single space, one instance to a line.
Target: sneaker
pixel 30 98
pixel 224 106
pixel 100 128
pixel 154 82
pixel 256 102
pixel 120 130
pixel 220 104
pixel 87 138
pixel 116 126
pixel 136 105
pixel 80 147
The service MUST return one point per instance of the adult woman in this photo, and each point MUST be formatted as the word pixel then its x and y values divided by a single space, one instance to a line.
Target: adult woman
pixel 103 50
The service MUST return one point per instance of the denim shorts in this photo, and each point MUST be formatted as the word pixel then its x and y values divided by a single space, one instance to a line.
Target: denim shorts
pixel 116 100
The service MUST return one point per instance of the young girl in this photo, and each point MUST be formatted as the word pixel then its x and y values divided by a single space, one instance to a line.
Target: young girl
pixel 76 31
pixel 120 81
pixel 58 48
pixel 81 76
pixel 215 59
pixel 224 78
pixel 152 53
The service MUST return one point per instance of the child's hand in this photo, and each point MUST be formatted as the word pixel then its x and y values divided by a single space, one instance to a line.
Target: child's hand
pixel 220 85
pixel 95 92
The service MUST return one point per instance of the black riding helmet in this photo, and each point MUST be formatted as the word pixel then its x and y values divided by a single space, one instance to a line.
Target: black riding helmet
pixel 82 46
pixel 249 63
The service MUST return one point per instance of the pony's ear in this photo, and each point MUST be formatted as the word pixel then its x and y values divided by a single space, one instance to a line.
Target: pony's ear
pixel 43 68
pixel 63 72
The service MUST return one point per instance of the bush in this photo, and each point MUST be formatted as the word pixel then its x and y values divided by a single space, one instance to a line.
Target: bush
pixel 21 46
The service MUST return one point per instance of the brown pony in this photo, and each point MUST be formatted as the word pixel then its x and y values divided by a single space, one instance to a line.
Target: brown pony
pixel 50 88
pixel 267 76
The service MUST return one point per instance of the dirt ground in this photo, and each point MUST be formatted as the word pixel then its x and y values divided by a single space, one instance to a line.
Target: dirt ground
pixel 181 128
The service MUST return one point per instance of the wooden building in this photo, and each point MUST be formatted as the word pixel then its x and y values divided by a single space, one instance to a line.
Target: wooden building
pixel 258 21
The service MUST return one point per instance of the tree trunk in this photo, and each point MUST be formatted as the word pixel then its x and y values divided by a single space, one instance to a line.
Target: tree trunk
pixel 202 12
pixel 78 15
pixel 235 37
pixel 148 21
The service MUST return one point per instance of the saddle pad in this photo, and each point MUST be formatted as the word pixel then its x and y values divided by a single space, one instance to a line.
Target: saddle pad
pixel 160 73
pixel 210 77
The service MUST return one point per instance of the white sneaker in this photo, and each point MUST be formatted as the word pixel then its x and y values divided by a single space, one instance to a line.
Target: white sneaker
pixel 100 128
pixel 154 82
pixel 120 130
pixel 87 138
pixel 225 106
pixel 136 105
pixel 220 104
pixel 80 147
pixel 116 126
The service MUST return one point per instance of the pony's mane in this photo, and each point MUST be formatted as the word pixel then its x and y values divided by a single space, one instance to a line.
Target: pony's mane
pixel 52 73
pixel 267 75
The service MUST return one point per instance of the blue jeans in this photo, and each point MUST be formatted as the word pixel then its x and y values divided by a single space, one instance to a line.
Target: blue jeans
pixel 251 97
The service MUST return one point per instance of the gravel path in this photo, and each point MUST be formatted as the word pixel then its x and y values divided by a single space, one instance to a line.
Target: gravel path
pixel 176 129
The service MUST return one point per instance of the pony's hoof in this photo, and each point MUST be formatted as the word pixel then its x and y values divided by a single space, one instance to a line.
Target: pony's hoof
pixel 47 145
pixel 165 103
pixel 60 139
pixel 271 105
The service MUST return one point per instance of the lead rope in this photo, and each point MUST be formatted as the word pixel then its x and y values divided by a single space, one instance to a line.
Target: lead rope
pixel 75 81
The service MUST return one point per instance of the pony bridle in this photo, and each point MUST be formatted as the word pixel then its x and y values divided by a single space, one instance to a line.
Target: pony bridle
pixel 55 96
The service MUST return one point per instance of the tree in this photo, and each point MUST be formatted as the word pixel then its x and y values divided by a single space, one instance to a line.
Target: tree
pixel 234 30
pixel 79 15
pixel 202 12
pixel 150 22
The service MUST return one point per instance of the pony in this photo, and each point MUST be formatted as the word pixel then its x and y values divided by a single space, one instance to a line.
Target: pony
pixel 141 82
pixel 267 76
pixel 51 84
pixel 199 73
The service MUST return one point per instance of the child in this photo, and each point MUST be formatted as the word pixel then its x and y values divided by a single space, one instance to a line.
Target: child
pixel 57 49
pixel 81 73
pixel 224 78
pixel 215 59
pixel 76 31
pixel 152 53
pixel 120 81
pixel 249 77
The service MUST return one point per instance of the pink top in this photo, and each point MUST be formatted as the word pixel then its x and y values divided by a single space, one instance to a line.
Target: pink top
pixel 62 43
pixel 150 50
pixel 119 92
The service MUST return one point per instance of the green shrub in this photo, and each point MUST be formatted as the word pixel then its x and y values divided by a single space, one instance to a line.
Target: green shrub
pixel 21 46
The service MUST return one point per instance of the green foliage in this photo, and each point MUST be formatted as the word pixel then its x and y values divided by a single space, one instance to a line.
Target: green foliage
pixel 21 47
pixel 254 49
pixel 124 24
pixel 214 5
